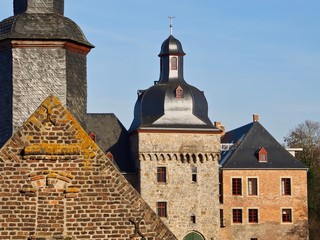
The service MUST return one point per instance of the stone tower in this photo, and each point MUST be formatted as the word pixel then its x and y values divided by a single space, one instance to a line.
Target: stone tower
pixel 176 150
pixel 42 53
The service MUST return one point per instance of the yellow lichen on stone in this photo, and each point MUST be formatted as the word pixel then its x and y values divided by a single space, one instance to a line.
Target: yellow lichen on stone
pixel 72 190
pixel 52 149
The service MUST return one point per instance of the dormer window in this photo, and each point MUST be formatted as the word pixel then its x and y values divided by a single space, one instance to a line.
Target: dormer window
pixel 179 92
pixel 263 155
pixel 174 63
pixel 93 136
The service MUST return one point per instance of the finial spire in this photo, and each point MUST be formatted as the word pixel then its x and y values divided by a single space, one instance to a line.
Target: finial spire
pixel 171 18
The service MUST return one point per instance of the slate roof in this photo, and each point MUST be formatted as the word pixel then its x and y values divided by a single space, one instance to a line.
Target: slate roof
pixel 112 137
pixel 42 26
pixel 158 107
pixel 247 141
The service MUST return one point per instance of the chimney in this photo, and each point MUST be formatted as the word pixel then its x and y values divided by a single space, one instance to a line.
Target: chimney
pixel 255 118
pixel 219 126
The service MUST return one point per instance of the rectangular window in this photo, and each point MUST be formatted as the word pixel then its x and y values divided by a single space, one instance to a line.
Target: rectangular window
pixel 252 186
pixel 161 174
pixel 253 215
pixel 162 209
pixel 236 186
pixel 194 174
pixel 286 186
pixel 237 215
pixel 286 215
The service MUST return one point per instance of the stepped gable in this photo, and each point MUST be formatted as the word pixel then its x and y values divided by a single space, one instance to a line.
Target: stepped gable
pixel 247 141
pixel 57 184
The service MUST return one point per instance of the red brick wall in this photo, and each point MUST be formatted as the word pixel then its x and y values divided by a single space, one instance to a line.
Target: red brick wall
pixel 269 203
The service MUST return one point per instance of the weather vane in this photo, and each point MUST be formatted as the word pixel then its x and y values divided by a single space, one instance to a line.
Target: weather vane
pixel 171 24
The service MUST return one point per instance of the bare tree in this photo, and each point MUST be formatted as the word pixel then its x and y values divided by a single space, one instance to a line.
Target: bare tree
pixel 307 136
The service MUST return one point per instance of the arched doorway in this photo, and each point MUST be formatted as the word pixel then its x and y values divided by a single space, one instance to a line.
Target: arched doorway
pixel 193 236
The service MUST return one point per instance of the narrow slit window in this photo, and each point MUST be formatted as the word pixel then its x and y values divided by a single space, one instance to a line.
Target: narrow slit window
pixel 194 171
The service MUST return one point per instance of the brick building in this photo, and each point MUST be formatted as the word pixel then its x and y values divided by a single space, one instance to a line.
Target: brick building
pixel 66 174
pixel 264 188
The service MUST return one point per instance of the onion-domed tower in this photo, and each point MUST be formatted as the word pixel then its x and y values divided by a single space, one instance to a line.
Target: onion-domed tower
pixel 42 53
pixel 177 148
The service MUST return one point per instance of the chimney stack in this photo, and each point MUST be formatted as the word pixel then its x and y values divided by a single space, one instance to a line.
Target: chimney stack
pixel 255 118
pixel 219 126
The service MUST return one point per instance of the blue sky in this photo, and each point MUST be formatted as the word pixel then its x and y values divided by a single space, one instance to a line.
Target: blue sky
pixel 249 56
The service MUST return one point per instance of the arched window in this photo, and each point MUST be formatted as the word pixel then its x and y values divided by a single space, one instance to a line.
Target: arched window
pixel 193 236
pixel 174 63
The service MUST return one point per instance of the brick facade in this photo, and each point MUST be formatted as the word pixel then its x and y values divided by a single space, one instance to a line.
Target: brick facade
pixel 269 201
pixel 56 183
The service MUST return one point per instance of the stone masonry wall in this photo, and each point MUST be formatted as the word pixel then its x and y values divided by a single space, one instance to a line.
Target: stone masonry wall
pixel 55 183
pixel 269 203
pixel 183 196
pixel 6 95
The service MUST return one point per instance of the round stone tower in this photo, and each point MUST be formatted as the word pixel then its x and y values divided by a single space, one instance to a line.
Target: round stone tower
pixel 42 53
pixel 177 148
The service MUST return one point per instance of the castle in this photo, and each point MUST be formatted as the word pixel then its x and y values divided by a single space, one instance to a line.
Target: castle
pixel 66 174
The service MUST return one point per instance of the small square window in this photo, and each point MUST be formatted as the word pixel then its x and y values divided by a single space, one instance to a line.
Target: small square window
pixel 253 215
pixel 237 215
pixel 236 186
pixel 252 186
pixel 286 186
pixel 162 209
pixel 161 174
pixel 286 215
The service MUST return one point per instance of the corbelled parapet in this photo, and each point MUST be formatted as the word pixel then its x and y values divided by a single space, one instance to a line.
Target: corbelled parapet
pixel 38 6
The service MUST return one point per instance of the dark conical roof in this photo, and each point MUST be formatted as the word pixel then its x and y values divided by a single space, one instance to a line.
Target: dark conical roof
pixel 171 46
